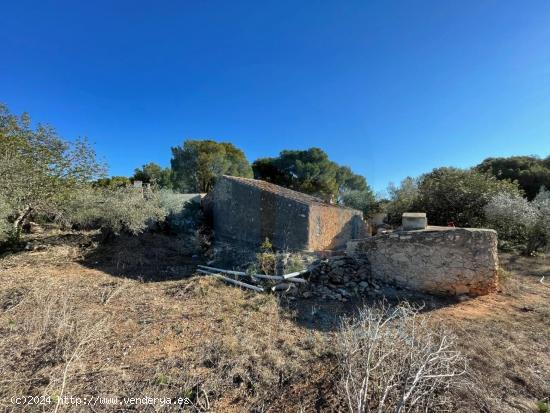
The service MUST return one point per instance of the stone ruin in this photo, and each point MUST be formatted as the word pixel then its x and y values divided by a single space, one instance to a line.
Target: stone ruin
pixel 427 259
pixel 248 211
pixel 444 261
pixel 437 260
pixel 341 278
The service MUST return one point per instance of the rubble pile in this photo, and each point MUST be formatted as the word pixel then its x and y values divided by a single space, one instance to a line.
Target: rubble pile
pixel 341 278
pixel 335 278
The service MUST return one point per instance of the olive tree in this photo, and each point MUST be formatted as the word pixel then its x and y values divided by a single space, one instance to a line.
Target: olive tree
pixel 520 222
pixel 114 210
pixel 40 170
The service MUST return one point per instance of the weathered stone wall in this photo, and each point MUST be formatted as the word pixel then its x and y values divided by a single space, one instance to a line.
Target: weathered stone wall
pixel 246 213
pixel 331 227
pixel 250 211
pixel 438 260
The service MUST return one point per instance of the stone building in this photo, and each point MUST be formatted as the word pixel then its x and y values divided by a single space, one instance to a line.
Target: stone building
pixel 250 210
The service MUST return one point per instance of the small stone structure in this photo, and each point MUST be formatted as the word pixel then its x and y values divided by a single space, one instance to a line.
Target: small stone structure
pixel 250 210
pixel 438 260
pixel 414 220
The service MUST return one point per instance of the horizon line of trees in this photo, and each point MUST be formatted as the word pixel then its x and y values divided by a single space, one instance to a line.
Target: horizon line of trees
pixel 197 163
pixel 42 174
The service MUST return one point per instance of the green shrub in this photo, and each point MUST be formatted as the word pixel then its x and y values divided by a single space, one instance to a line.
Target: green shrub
pixel 182 214
pixel 520 222
pixel 266 258
pixel 293 264
pixel 5 227
pixel 459 196
pixel 447 195
pixel 403 198
pixel 115 210
pixel 543 406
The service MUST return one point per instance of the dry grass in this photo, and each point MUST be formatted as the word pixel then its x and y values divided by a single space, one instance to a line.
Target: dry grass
pixel 69 328
pixel 506 338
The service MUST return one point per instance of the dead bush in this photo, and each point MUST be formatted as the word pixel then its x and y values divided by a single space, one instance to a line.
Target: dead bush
pixel 390 360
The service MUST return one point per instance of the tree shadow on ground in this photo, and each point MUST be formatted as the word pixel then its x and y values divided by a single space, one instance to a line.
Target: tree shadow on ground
pixel 538 266
pixel 147 257
pixel 325 315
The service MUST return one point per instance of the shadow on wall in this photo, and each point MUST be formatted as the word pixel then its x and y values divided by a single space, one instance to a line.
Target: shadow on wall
pixel 353 229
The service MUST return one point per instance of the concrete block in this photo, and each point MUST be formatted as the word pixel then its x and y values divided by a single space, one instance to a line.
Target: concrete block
pixel 414 221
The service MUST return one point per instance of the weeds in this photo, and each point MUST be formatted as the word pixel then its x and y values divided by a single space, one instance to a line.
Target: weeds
pixel 543 406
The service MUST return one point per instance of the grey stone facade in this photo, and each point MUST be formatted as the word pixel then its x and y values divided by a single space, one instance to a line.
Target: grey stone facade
pixel 438 260
pixel 249 211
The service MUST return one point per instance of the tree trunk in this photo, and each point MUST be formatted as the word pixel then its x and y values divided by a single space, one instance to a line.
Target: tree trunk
pixel 20 220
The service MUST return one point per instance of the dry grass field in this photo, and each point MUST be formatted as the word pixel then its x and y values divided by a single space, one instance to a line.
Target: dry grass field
pixel 132 321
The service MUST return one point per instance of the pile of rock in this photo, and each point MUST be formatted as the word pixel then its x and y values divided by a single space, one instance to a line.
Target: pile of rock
pixel 333 278
pixel 341 278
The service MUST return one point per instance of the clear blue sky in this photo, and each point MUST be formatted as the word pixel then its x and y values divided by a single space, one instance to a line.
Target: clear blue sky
pixel 390 88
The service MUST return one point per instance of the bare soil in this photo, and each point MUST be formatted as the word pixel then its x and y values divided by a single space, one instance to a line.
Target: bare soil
pixel 130 320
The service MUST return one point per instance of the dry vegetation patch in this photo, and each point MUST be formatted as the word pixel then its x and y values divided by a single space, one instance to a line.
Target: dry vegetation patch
pixel 67 328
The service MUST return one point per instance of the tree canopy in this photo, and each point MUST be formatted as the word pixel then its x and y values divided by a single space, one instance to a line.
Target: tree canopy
pixel 312 172
pixel 459 195
pixel 362 200
pixel 403 198
pixel 40 170
pixel 530 172
pixel 154 174
pixel 198 163
pixel 113 182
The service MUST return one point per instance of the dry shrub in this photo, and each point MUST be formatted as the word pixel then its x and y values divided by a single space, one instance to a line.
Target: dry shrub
pixel 391 360
pixel 266 258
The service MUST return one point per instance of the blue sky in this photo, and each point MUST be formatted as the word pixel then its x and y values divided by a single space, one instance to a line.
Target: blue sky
pixel 390 88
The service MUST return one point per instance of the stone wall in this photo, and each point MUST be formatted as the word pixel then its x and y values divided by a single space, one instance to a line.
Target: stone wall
pixel 330 227
pixel 247 214
pixel 249 211
pixel 438 260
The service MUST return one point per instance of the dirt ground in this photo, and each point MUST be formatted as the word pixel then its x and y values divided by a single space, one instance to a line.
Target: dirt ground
pixel 130 320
